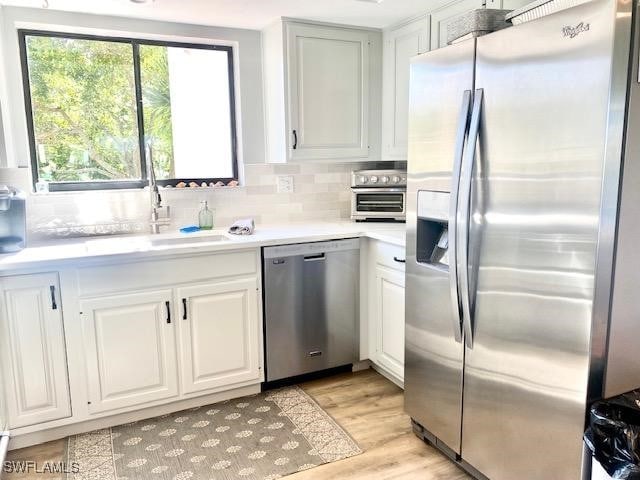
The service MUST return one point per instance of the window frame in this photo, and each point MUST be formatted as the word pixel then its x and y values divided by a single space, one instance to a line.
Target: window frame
pixel 135 46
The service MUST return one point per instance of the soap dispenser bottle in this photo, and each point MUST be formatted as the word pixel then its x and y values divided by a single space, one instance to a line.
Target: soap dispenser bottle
pixel 205 217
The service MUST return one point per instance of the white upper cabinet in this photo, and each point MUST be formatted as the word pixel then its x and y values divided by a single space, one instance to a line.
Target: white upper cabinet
pixel 322 90
pixel 442 17
pixel 399 45
pixel 328 92
pixel 33 350
pixel 507 4
pixel 130 349
pixel 219 334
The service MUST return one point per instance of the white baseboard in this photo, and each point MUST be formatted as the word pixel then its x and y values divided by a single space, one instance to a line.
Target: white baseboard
pixel 42 436
pixel 361 365
pixel 388 375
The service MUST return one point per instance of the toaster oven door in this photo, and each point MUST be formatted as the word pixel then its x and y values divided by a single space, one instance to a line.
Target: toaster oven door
pixel 378 203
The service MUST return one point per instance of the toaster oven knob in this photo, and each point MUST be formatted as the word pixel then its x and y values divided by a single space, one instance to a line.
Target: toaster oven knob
pixel 396 179
pixel 363 179
pixel 374 179
pixel 385 179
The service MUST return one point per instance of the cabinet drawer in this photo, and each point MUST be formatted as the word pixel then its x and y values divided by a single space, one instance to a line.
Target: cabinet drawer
pixel 389 255
pixel 173 271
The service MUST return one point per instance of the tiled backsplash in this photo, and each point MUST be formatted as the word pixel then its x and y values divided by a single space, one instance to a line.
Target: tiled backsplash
pixel 321 192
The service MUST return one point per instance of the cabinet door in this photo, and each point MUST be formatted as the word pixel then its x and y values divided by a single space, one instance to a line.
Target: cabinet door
pixel 219 334
pixel 390 320
pixel 507 4
pixel 33 352
pixel 130 349
pixel 328 80
pixel 400 45
pixel 442 17
pixel 4 420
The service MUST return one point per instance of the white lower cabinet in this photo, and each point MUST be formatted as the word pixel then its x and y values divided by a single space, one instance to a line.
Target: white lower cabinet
pixel 219 343
pixel 161 331
pixel 385 272
pixel 130 349
pixel 33 350
pixel 390 320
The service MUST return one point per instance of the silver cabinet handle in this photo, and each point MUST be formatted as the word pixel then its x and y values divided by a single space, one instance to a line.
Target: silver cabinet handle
pixel 54 305
pixel 463 216
pixel 463 123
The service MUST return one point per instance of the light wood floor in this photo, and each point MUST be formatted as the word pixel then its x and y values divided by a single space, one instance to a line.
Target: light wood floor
pixel 367 406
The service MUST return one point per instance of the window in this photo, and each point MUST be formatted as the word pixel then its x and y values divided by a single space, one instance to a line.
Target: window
pixel 95 103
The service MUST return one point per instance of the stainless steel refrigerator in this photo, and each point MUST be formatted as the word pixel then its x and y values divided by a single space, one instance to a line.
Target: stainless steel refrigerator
pixel 523 236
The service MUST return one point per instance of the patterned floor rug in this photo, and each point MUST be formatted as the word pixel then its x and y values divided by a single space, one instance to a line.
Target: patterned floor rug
pixel 264 436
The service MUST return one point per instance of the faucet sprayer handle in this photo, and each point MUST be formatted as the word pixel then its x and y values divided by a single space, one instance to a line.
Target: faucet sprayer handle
pixel 151 174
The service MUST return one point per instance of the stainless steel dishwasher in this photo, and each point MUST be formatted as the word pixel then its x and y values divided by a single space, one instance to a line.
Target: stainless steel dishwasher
pixel 311 306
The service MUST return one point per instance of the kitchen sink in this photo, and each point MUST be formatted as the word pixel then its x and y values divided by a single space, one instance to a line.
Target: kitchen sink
pixel 142 243
pixel 162 242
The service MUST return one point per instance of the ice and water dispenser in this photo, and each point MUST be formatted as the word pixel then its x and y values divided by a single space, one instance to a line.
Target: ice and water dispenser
pixel 432 230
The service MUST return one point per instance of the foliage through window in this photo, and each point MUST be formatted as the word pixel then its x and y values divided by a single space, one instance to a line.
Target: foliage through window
pixel 94 103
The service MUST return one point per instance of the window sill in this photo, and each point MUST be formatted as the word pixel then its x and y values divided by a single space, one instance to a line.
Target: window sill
pixel 112 191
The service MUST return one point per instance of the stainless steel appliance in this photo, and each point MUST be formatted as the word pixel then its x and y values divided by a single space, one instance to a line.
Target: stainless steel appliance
pixel 311 306
pixel 12 219
pixel 378 195
pixel 516 220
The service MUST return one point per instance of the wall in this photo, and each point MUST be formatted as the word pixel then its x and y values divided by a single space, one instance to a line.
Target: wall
pixel 247 43
pixel 321 193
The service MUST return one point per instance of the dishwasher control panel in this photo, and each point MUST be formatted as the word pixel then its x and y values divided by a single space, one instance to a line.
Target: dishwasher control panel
pixel 308 249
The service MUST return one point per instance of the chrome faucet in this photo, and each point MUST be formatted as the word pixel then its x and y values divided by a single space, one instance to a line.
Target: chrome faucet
pixel 155 199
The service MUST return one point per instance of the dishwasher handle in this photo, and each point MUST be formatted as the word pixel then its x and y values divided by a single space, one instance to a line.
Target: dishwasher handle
pixel 315 258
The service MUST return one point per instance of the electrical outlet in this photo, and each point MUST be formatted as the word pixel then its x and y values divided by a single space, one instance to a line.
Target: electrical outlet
pixel 285 184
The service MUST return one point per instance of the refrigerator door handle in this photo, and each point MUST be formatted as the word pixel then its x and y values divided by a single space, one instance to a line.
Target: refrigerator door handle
pixel 463 123
pixel 464 212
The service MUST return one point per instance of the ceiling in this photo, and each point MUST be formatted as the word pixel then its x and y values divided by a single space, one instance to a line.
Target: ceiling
pixel 253 14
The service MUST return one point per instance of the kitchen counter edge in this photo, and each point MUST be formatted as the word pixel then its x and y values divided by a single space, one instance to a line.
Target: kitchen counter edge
pixel 74 251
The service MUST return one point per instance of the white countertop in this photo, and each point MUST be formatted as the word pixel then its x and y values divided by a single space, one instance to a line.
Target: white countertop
pixel 84 250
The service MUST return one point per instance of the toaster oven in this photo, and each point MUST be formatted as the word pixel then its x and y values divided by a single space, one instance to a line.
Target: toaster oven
pixel 378 195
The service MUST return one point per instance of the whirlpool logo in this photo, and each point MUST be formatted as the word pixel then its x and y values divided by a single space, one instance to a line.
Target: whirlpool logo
pixel 573 32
